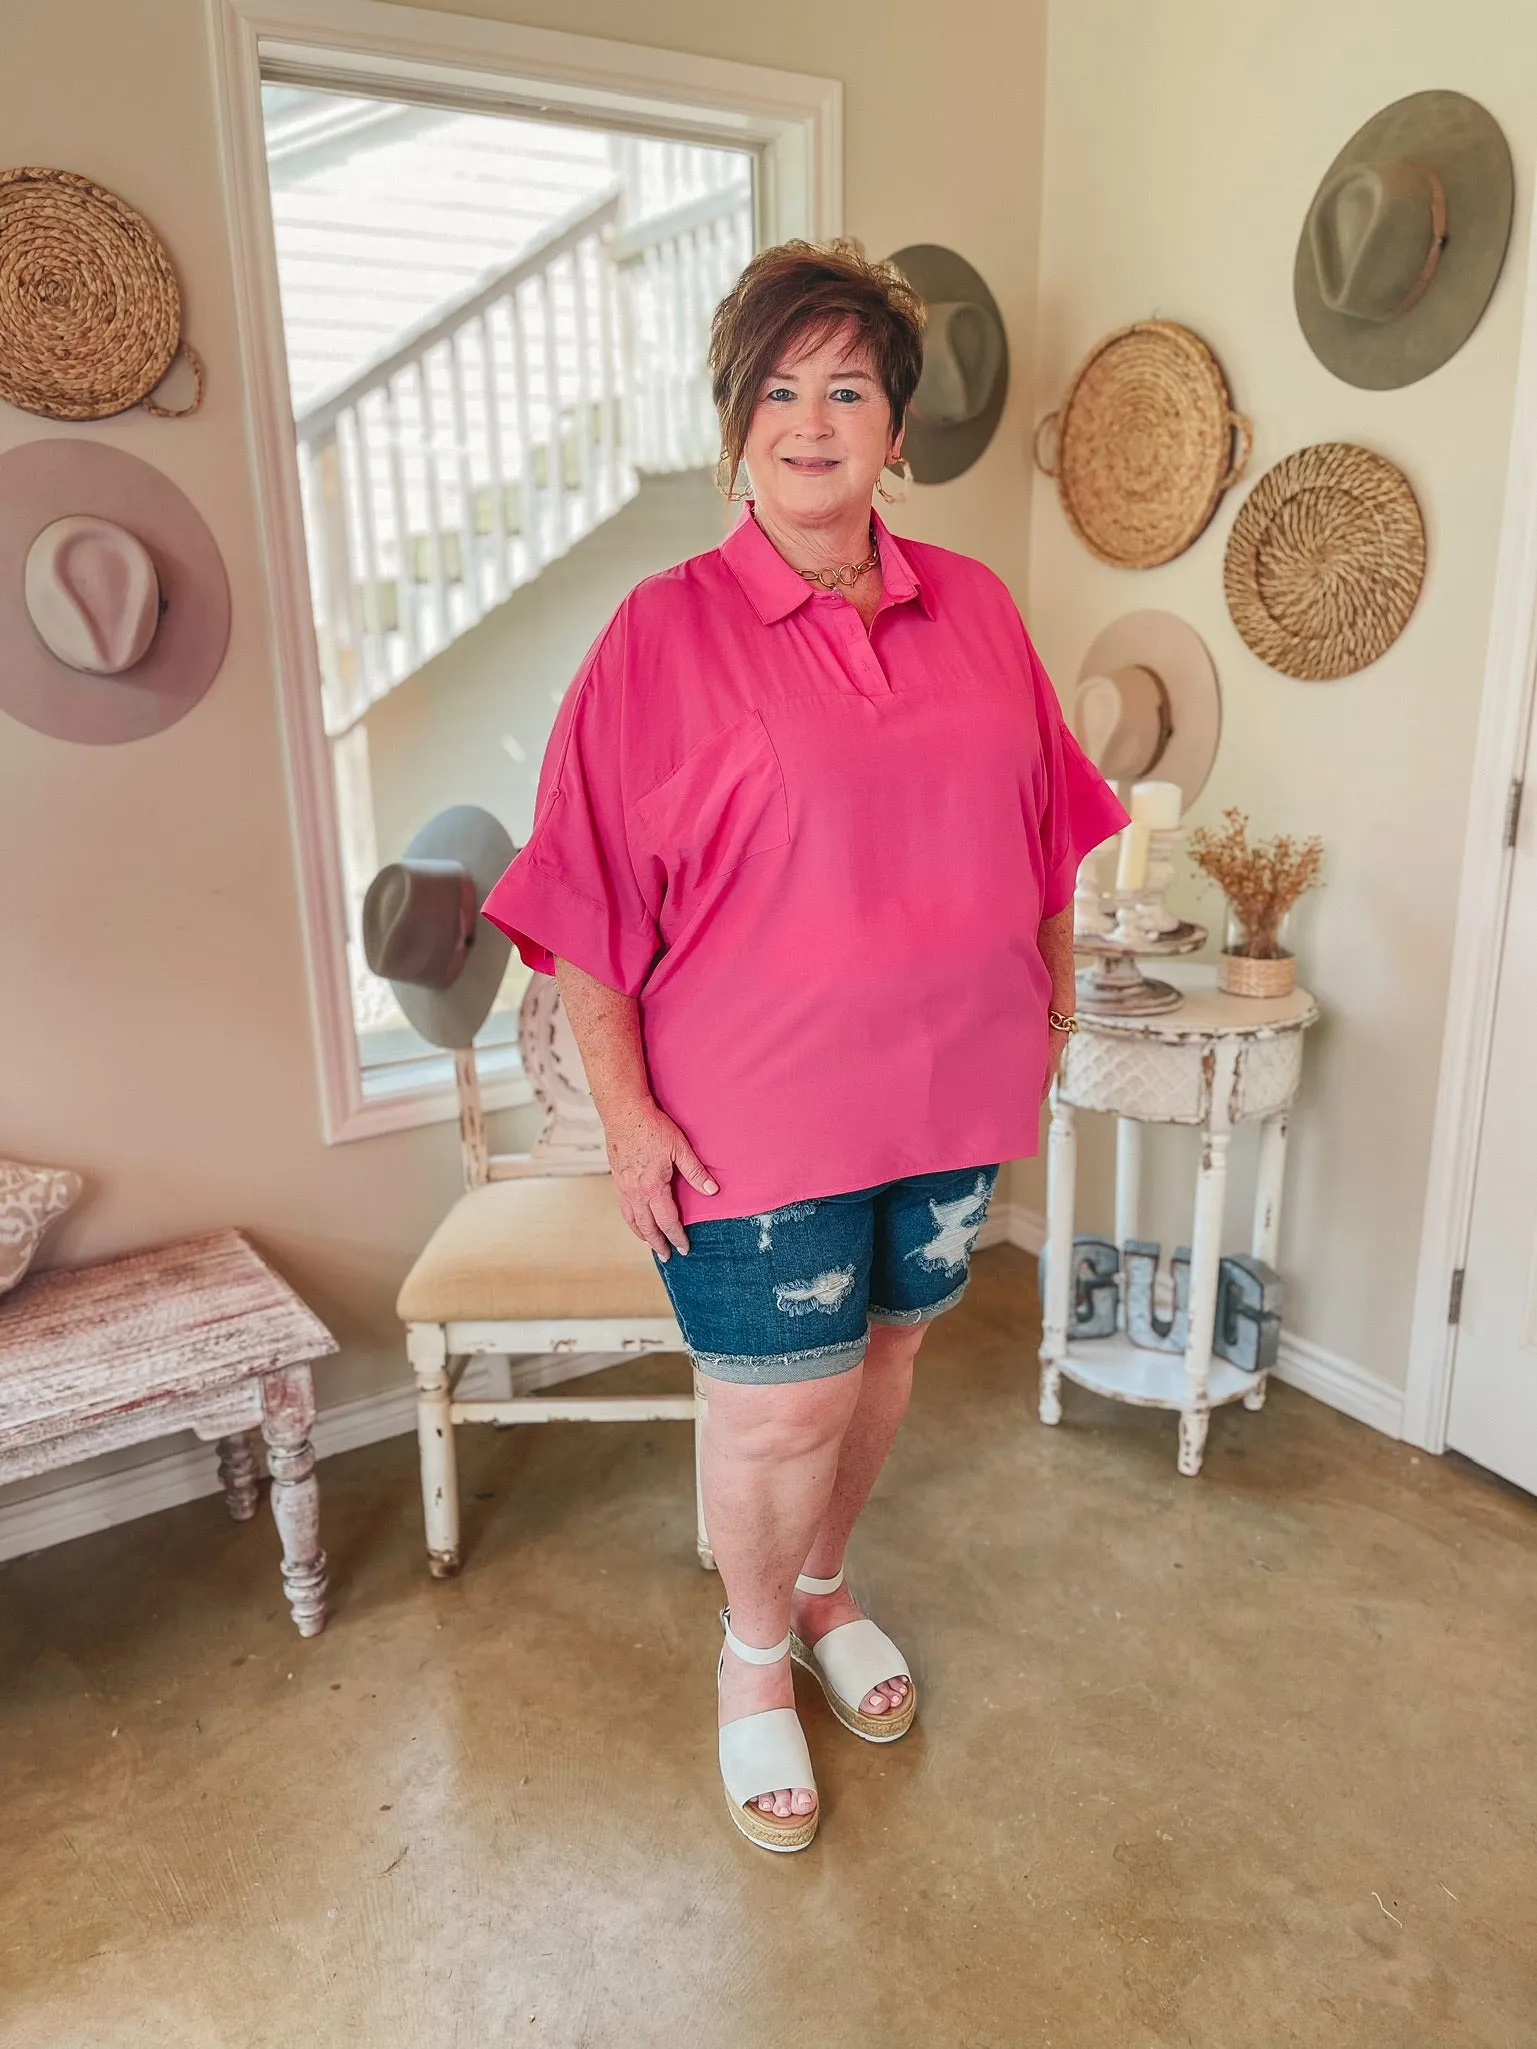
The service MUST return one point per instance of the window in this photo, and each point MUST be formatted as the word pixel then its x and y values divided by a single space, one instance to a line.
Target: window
pixel 495 332
pixel 476 267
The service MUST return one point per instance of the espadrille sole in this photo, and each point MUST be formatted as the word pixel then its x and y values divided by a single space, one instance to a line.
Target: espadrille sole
pixel 770 1835
pixel 872 1728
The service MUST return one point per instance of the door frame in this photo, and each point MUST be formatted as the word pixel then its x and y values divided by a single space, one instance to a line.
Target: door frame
pixel 1504 726
pixel 794 124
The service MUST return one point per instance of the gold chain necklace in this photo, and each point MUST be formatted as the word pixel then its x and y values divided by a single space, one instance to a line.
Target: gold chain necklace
pixel 847 574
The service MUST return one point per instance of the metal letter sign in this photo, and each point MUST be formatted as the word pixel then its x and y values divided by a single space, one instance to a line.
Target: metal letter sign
pixel 1248 1331
pixel 1144 1326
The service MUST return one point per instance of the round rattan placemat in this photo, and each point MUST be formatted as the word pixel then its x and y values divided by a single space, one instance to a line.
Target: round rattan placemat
pixel 90 313
pixel 1144 444
pixel 1325 561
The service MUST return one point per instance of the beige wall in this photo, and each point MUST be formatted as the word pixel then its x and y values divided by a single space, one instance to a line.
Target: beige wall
pixel 1184 140
pixel 157 1032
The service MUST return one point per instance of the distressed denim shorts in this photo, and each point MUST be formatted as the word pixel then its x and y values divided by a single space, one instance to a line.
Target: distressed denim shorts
pixel 790 1295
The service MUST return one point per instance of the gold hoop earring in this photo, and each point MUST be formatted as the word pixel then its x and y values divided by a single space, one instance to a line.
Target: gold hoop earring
pixel 902 470
pixel 725 479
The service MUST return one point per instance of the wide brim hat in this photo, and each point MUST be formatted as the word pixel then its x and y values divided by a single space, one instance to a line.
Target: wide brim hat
pixel 970 325
pixel 1460 142
pixel 45 482
pixel 1164 645
pixel 472 839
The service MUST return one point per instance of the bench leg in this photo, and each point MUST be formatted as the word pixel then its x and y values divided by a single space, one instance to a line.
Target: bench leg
pixel 237 1470
pixel 427 1347
pixel 288 1415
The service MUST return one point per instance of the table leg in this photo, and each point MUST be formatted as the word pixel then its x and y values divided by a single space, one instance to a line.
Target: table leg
pixel 237 1470
pixel 1128 1179
pixel 1265 1238
pixel 1205 1255
pixel 1061 1180
pixel 288 1415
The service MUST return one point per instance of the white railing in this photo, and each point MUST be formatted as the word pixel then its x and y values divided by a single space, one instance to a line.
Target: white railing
pixel 454 468
pixel 486 443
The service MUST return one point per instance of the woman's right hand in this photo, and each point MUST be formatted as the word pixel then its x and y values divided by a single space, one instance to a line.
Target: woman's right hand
pixel 645 1148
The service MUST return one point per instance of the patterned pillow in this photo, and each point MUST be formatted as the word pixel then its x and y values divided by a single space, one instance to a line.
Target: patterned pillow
pixel 30 1199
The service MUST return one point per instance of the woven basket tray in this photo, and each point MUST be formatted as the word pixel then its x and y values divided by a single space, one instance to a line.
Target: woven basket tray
pixel 1325 561
pixel 1144 444
pixel 90 313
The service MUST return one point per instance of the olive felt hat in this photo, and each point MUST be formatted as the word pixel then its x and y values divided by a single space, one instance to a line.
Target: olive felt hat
pixel 1404 241
pixel 422 928
pixel 965 377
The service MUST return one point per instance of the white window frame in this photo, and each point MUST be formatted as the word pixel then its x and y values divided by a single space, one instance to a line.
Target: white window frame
pixel 791 122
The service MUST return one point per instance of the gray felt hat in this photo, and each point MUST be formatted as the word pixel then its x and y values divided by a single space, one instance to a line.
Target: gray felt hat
pixel 965 364
pixel 422 928
pixel 1404 240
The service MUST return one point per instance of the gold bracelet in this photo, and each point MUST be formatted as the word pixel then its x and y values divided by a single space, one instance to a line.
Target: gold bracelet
pixel 1059 1023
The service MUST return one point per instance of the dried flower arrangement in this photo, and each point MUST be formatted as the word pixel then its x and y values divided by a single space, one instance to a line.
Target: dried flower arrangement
pixel 1261 882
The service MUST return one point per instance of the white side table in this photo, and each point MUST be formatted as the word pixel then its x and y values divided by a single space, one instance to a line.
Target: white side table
pixel 1216 1062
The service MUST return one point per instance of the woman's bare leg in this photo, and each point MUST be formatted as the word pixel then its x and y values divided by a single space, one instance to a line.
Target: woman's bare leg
pixel 767 1464
pixel 885 1390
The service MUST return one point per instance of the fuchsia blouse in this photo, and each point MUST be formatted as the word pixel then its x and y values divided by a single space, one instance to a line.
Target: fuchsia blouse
pixel 819 858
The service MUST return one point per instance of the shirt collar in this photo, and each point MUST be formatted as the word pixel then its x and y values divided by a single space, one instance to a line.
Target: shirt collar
pixel 776 590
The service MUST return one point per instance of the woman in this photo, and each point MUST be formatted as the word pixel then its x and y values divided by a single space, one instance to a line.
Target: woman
pixel 802 861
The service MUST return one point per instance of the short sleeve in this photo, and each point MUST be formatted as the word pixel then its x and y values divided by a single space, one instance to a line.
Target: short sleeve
pixel 1082 811
pixel 573 893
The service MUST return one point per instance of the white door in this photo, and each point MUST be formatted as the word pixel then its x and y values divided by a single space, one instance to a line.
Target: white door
pixel 1493 1416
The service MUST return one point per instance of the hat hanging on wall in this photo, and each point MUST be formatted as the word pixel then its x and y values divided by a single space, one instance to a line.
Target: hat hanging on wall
pixel 1147 703
pixel 1325 561
pixel 965 376
pixel 422 928
pixel 1404 240
pixel 114 605
pixel 90 311
pixel 1145 444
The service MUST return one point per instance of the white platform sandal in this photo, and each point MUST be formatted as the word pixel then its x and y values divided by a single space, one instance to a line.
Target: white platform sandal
pixel 760 1753
pixel 849 1662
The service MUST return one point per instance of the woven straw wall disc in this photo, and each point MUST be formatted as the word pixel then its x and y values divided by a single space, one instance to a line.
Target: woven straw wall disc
pixel 1145 444
pixel 90 315
pixel 1325 561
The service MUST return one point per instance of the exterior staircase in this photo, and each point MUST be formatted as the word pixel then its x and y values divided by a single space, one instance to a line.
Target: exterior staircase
pixel 487 437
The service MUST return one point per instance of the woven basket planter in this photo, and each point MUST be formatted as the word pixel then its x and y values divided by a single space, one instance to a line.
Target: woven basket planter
pixel 90 313
pixel 1325 561
pixel 1241 976
pixel 1144 444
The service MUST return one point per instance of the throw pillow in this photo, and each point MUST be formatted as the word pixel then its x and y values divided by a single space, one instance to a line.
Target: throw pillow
pixel 30 1199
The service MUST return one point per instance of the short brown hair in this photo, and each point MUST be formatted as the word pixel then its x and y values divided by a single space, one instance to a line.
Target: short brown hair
pixel 802 292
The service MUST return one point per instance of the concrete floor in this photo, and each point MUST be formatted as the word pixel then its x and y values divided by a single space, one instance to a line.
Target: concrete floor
pixel 1175 1737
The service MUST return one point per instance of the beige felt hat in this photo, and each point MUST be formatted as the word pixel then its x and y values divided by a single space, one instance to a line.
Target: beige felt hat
pixel 1147 703
pixel 1404 240
pixel 965 376
pixel 114 605
pixel 422 928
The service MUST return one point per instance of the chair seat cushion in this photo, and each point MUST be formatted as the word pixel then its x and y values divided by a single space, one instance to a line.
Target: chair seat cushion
pixel 536 1250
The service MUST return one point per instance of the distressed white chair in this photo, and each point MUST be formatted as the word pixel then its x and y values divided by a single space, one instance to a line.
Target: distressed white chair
pixel 535 1275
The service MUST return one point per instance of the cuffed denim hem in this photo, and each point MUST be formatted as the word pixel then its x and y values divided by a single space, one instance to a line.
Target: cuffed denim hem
pixel 924 1315
pixel 775 1369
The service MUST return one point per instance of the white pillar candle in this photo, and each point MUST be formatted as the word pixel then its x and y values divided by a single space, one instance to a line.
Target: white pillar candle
pixel 1157 805
pixel 1131 862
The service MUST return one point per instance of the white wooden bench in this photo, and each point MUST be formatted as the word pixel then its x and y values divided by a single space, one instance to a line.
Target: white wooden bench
pixel 200 1336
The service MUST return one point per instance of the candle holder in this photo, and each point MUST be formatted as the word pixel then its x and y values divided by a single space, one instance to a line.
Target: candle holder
pixel 1116 926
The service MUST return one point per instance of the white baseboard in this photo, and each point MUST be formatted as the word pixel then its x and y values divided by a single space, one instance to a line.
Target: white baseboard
pixel 1339 1383
pixel 78 1507
pixel 1342 1384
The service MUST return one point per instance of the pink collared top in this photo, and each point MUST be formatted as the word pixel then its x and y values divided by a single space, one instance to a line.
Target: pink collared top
pixel 819 858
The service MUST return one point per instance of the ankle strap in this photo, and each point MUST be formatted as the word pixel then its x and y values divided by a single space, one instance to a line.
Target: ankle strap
pixel 749 1653
pixel 807 1585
